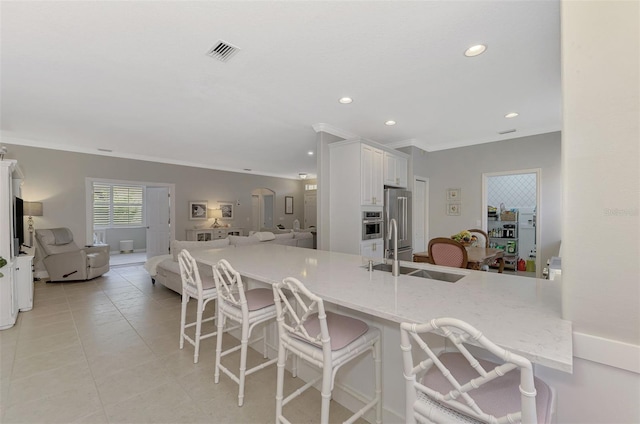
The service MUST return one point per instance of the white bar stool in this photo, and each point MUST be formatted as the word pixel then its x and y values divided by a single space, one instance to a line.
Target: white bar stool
pixel 201 289
pixel 324 339
pixel 248 308
pixel 455 387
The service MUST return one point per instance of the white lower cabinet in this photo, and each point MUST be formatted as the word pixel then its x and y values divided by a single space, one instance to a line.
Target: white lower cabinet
pixel 372 248
pixel 24 282
pixel 209 234
pixel 8 297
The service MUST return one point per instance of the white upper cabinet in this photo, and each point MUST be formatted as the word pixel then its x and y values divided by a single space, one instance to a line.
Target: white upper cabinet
pixel 395 170
pixel 372 175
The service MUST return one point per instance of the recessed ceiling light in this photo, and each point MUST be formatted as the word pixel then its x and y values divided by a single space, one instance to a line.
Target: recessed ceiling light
pixel 511 115
pixel 390 123
pixel 310 152
pixel 345 100
pixel 475 50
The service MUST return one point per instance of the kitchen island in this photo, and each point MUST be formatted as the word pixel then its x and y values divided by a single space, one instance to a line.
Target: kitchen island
pixel 519 314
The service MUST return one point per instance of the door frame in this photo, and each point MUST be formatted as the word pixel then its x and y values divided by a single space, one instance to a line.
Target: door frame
pixel 88 181
pixel 539 209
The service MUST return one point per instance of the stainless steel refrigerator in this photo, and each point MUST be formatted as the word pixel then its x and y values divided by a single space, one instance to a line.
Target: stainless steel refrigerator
pixel 397 204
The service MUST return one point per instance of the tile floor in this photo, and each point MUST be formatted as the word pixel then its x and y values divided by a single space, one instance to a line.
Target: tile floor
pixel 107 351
pixel 134 258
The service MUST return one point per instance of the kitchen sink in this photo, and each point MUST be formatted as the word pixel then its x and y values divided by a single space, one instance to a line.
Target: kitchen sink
pixel 387 268
pixel 435 275
pixel 421 273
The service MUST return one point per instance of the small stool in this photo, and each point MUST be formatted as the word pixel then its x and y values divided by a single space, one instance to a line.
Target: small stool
pixel 126 246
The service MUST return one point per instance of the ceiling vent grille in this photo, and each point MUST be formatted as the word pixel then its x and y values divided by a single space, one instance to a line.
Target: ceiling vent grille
pixel 223 51
pixel 506 132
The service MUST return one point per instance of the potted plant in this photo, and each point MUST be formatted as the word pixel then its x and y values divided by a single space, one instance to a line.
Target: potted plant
pixel 3 262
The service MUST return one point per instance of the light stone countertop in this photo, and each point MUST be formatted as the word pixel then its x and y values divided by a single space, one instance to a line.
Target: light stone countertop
pixel 518 313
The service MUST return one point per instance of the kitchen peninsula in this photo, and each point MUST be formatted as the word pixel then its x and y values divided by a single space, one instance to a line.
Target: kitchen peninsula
pixel 519 314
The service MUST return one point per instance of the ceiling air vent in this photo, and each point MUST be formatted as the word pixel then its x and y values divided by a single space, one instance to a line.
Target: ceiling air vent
pixel 223 51
pixel 506 132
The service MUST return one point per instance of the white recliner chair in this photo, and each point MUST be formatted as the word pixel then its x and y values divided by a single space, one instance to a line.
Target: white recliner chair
pixel 65 261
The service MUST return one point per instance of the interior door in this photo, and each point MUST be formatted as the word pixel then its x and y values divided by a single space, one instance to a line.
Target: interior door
pixel 158 221
pixel 255 212
pixel 310 210
pixel 268 200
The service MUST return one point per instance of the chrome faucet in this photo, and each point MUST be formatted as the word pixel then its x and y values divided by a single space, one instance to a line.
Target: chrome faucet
pixel 393 227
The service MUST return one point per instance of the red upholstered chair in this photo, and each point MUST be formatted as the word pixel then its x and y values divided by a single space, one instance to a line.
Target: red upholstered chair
pixel 447 252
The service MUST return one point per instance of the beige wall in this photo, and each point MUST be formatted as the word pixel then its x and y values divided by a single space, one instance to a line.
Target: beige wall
pixel 601 165
pixel 600 227
pixel 57 178
pixel 463 168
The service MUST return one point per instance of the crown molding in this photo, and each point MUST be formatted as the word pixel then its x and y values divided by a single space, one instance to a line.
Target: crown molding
pixel 330 129
pixel 90 151
pixel 519 134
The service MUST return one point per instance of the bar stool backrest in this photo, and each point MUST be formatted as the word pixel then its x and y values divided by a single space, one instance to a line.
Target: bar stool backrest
pixel 460 393
pixel 229 286
pixel 295 304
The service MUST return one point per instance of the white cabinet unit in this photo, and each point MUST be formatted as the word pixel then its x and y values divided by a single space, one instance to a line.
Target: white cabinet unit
pixel 395 170
pixel 8 294
pixel 372 249
pixel 356 185
pixel 207 234
pixel 371 177
pixel 8 297
pixel 24 282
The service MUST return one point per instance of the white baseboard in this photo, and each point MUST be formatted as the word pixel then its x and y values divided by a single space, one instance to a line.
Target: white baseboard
pixel 117 252
pixel 609 352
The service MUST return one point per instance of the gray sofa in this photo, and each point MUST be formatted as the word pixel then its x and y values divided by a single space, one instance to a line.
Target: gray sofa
pixel 166 271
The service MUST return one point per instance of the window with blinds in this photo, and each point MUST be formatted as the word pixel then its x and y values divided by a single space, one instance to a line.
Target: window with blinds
pixel 117 205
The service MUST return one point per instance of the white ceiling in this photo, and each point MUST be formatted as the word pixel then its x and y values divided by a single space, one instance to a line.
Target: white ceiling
pixel 134 77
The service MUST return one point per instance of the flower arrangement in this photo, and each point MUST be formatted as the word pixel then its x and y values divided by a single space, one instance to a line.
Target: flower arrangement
pixel 465 237
pixel 3 262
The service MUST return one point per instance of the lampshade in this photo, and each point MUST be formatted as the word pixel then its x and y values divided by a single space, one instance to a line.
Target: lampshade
pixel 215 213
pixel 32 208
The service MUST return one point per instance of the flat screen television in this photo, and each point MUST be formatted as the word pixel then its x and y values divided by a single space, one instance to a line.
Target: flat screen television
pixel 18 221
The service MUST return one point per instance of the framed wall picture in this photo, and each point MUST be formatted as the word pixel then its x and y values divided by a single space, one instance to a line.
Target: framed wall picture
pixel 198 210
pixel 453 195
pixel 453 209
pixel 288 205
pixel 227 210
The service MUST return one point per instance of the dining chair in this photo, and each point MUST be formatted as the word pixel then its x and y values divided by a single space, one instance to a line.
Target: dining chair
pixel 324 339
pixel 447 252
pixel 481 235
pixel 248 309
pixel 201 288
pixel 455 386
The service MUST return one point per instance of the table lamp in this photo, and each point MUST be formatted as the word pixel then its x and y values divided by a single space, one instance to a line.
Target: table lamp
pixel 32 209
pixel 216 213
